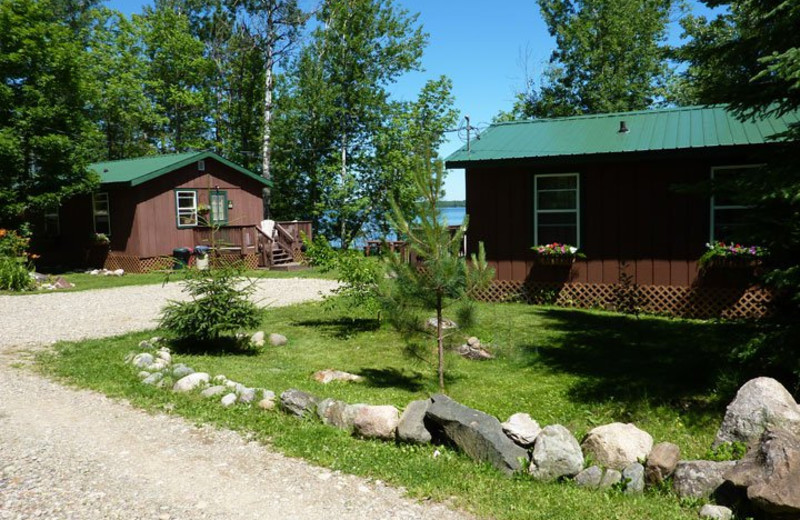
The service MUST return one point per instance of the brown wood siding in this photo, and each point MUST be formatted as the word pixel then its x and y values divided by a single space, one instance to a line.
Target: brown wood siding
pixel 635 213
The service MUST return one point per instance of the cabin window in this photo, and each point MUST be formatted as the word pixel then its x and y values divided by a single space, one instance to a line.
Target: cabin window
pixel 186 207
pixel 728 212
pixel 52 222
pixel 219 207
pixel 100 212
pixel 556 209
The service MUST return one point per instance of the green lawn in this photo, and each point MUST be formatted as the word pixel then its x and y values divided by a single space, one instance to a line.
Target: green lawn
pixel 576 368
pixel 86 282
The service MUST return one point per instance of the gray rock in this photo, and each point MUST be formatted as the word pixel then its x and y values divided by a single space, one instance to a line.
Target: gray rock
pixel 699 478
pixel 213 391
pixel 328 375
pixel 338 413
pixel 228 400
pixel 446 324
pixel 268 394
pixel 770 471
pixel 191 382
pixel 590 477
pixel 610 478
pixel 257 339
pixel 143 360
pixel 266 404
pixel 146 345
pixel 153 378
pixel 759 404
pixel 556 454
pixel 473 341
pixel 411 427
pixel 157 365
pixel 617 445
pixel 180 370
pixel 165 355
pixel 521 429
pixel 477 434
pixel 298 403
pixel 143 374
pixel 248 395
pixel 233 385
pixel 474 352
pixel 221 379
pixel 713 512
pixel 634 478
pixel 661 462
pixel 376 422
pixel 277 340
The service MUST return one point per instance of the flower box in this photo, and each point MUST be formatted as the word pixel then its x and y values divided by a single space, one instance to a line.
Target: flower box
pixel 556 254
pixel 731 256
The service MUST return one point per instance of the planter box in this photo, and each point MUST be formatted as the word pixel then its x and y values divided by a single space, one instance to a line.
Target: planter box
pixel 555 259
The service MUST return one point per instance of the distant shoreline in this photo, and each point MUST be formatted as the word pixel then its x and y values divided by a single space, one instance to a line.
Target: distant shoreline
pixel 452 204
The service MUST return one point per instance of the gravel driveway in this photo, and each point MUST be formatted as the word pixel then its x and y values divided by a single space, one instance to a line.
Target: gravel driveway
pixel 75 454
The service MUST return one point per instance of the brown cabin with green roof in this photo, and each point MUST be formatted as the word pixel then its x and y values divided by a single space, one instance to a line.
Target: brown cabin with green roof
pixel 146 208
pixel 614 185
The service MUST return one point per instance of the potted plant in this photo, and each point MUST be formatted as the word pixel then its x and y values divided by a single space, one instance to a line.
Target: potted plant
pixel 100 239
pixel 557 254
pixel 720 254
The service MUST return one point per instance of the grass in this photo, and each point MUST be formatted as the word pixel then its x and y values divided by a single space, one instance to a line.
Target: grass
pixel 576 368
pixel 86 282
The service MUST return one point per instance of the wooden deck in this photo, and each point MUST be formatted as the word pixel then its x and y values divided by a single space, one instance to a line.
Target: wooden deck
pixel 284 246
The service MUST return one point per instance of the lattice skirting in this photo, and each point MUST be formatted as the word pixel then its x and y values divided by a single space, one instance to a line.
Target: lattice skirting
pixel 687 302
pixel 133 264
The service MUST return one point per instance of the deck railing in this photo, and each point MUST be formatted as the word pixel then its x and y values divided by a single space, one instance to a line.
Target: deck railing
pixel 242 239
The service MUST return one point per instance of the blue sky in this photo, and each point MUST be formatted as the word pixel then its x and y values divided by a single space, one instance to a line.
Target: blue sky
pixel 482 46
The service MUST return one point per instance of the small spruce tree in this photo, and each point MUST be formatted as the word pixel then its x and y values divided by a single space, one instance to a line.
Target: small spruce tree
pixel 441 277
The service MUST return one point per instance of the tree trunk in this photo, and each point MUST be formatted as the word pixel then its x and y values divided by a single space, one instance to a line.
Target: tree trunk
pixel 440 341
pixel 266 145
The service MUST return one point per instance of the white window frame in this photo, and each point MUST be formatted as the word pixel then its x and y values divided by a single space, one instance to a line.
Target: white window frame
pixel 96 196
pixel 713 205
pixel 186 211
pixel 577 209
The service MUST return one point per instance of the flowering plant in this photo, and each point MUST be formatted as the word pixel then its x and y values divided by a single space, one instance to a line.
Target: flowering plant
pixel 719 249
pixel 100 239
pixel 559 250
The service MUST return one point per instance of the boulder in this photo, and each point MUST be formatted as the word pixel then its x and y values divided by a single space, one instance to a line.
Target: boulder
pixel 180 370
pixel 153 378
pixel 633 475
pixel 143 360
pixel 446 324
pixel 266 404
pixel 157 365
pixel 164 355
pixel 268 394
pixel 376 422
pixel 474 352
pixel 411 427
pixel 556 454
pixel 213 391
pixel 338 413
pixel 477 434
pixel 277 340
pixel 699 478
pixel 328 375
pixel 661 462
pixel 521 429
pixel 713 512
pixel 610 478
pixel 247 395
pixel 298 403
pixel 770 472
pixel 146 345
pixel 257 339
pixel 228 400
pixel 191 382
pixel 759 404
pixel 590 477
pixel 617 445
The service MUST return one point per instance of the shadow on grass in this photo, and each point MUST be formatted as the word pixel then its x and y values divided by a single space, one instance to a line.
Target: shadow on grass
pixel 341 328
pixel 636 361
pixel 224 346
pixel 393 378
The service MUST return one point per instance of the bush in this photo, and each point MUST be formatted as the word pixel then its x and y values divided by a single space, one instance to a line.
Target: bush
pixel 14 265
pixel 219 307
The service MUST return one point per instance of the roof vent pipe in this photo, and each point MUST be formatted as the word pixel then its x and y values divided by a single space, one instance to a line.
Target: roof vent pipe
pixel 623 128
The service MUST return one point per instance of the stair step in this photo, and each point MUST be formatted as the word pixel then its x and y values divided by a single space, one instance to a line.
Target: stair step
pixel 289 266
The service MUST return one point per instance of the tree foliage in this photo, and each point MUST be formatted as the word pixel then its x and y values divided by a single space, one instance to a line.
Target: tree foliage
pixel 610 56
pixel 749 57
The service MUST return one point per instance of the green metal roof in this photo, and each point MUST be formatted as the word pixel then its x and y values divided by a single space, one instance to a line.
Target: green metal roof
pixel 137 171
pixel 650 130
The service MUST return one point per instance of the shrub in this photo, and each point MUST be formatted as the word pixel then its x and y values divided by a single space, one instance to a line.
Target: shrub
pixel 14 265
pixel 219 307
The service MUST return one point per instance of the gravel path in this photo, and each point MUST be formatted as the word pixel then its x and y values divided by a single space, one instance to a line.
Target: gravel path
pixel 75 454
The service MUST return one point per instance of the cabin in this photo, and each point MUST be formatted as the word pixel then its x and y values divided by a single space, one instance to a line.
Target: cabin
pixel 626 189
pixel 149 210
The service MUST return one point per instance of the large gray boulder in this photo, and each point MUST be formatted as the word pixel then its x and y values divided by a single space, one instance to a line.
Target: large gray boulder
pixel 617 445
pixel 298 403
pixel 699 478
pixel 712 512
pixel 376 422
pixel 477 434
pixel 634 478
pixel 556 454
pixel 521 429
pixel 590 477
pixel 191 382
pixel 338 413
pixel 411 427
pixel 759 404
pixel 771 474
pixel 661 462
